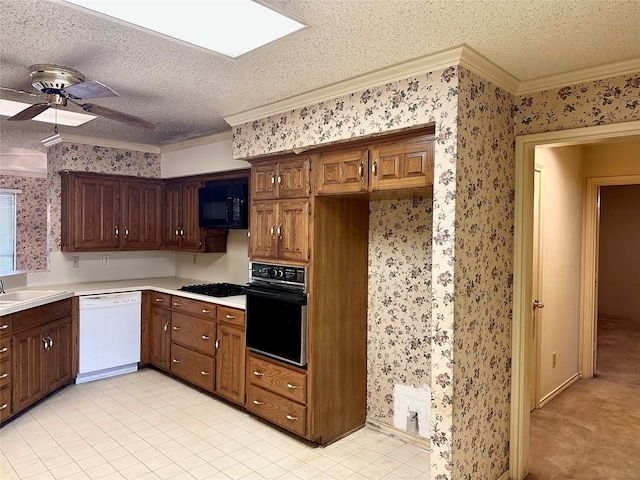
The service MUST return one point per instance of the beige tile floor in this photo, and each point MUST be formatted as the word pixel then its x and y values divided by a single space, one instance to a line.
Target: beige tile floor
pixel 146 425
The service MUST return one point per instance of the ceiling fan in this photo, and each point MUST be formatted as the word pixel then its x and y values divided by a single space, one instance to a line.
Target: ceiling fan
pixel 60 85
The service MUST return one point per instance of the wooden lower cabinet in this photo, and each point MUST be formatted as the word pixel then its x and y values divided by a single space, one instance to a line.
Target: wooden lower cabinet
pixel 230 363
pixel 42 353
pixel 6 376
pixel 277 409
pixel 194 367
pixel 159 336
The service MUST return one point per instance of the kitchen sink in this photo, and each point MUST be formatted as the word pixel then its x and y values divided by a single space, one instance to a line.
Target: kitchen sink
pixel 24 296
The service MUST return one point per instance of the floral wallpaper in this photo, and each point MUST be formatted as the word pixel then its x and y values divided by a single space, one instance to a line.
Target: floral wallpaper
pixel 31 224
pixel 483 280
pixel 598 102
pixel 88 158
pixel 399 306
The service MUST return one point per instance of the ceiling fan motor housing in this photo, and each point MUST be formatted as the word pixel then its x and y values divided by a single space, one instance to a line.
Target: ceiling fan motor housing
pixel 51 79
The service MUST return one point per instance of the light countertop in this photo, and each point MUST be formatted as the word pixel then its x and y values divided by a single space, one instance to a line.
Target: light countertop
pixel 168 285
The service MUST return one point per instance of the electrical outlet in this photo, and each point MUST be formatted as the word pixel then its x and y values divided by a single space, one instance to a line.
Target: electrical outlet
pixel 76 261
pixel 105 260
pixel 553 359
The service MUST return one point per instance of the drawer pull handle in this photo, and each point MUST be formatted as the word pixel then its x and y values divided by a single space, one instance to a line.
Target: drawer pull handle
pixel 176 304
pixel 176 327
pixel 204 310
pixel 205 337
pixel 50 342
pixel 258 374
pixel 4 327
pixel 292 387
pixel 166 326
pixel 291 417
pixel 256 402
pixel 175 360
pixel 4 375
pixel 159 300
pixel 229 317
pixel 205 373
pixel 217 343
pixel 4 405
pixel 4 349
pixel 46 345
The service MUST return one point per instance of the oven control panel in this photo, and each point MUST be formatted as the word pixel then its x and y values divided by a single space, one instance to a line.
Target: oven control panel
pixel 278 274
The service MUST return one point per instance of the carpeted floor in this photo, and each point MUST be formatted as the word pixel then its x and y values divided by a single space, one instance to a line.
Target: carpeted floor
pixel 591 431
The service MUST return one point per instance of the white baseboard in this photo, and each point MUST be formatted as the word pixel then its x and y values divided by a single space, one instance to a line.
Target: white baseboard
pixel 560 389
pixel 504 476
pixel 407 437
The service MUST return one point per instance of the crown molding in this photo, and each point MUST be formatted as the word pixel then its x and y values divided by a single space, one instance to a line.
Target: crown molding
pixel 197 142
pixel 582 75
pixel 481 65
pixel 99 142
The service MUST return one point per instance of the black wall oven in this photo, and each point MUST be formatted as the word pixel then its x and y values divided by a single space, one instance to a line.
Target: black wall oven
pixel 276 312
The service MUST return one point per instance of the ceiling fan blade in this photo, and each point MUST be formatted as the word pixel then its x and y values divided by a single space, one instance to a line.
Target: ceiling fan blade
pixel 91 89
pixel 20 91
pixel 29 112
pixel 118 116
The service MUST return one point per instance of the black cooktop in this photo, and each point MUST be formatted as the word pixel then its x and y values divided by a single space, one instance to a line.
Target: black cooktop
pixel 215 289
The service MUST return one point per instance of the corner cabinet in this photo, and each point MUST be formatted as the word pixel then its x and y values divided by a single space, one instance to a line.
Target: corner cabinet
pixel 103 212
pixel 280 210
pixel 181 227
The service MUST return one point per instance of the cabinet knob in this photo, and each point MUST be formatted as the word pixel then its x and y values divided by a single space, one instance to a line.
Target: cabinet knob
pixel 205 337
pixel 4 349
pixel 176 328
pixel 3 406
pixel 159 300
pixel 4 327
pixel 176 304
pixel 205 373
pixel 256 402
pixel 175 360
pixel 204 310
pixel 4 375
pixel 258 374
pixel 291 417
pixel 292 387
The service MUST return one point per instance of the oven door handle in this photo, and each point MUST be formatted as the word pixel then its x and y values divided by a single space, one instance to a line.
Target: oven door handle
pixel 282 296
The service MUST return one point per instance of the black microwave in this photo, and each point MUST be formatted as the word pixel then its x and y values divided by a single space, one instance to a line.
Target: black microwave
pixel 224 205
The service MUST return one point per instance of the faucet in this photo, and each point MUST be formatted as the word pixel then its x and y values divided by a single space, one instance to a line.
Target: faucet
pixel 1 286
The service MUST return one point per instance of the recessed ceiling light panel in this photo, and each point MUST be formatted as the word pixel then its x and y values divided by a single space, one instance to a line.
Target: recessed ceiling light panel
pixel 52 115
pixel 229 27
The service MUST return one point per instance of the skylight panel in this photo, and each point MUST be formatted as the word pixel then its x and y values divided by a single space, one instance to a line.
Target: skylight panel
pixel 229 27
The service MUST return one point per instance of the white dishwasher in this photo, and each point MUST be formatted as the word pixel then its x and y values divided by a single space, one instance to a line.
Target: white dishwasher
pixel 109 335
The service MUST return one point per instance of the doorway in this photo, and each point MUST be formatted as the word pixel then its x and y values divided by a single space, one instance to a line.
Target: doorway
pixel 523 265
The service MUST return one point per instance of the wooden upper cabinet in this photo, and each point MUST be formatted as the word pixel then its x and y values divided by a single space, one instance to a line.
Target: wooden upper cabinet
pixel 343 172
pixel 181 228
pixel 281 179
pixel 405 164
pixel 396 165
pixel 280 230
pixel 90 213
pixel 103 212
pixel 142 220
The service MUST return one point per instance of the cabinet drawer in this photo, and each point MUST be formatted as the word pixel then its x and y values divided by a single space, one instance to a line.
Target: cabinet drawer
pixel 5 328
pixel 278 379
pixel 277 409
pixel 193 307
pixel 160 299
pixel 193 367
pixel 231 315
pixel 33 317
pixel 5 372
pixel 5 403
pixel 196 333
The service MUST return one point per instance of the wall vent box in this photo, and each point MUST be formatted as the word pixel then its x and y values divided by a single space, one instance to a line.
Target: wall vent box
pixel 412 408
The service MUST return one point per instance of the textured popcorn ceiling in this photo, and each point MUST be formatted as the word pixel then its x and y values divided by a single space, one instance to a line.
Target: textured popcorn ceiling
pixel 187 91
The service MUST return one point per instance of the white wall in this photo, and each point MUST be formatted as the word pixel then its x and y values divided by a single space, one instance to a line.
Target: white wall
pixel 212 157
pixel 561 225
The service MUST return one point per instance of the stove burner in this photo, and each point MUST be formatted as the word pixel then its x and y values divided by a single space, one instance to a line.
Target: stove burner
pixel 214 289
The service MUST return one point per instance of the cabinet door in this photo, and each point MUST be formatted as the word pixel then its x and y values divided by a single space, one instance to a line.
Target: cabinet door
pixel 96 214
pixel 343 172
pixel 263 181
pixel 292 230
pixel 172 215
pixel 293 180
pixel 28 351
pixel 262 243
pixel 230 363
pixel 57 356
pixel 160 337
pixel 407 164
pixel 191 232
pixel 142 222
